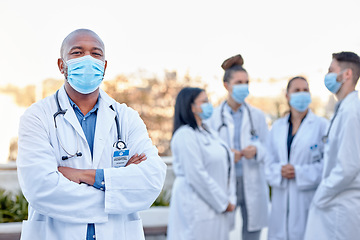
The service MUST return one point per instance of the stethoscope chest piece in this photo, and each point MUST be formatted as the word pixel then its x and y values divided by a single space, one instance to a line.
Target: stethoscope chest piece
pixel 120 145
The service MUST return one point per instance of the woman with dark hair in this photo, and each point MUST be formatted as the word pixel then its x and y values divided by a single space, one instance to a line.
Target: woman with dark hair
pixel 244 129
pixel 294 163
pixel 204 189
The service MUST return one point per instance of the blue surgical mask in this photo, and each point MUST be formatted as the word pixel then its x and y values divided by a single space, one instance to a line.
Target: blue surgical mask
pixel 85 74
pixel 331 84
pixel 240 92
pixel 300 101
pixel 207 110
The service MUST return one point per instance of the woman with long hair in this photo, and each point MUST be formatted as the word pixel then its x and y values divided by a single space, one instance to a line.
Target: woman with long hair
pixel 203 192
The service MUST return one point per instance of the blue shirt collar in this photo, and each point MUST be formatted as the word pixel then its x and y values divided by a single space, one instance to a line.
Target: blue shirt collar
pixel 75 107
pixel 229 109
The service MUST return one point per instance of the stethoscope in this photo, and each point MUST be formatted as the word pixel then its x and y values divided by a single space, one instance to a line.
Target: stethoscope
pixel 119 144
pixel 223 124
pixel 325 138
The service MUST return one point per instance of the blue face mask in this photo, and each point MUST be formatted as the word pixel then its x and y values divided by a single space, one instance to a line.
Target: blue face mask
pixel 331 84
pixel 85 74
pixel 240 92
pixel 207 110
pixel 300 101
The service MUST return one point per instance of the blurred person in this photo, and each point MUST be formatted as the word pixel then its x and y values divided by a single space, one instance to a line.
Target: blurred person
pixel 74 149
pixel 204 189
pixel 294 163
pixel 335 209
pixel 244 129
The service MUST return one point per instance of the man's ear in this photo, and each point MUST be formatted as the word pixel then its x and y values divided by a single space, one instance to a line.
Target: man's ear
pixel 349 74
pixel 105 67
pixel 61 65
pixel 227 85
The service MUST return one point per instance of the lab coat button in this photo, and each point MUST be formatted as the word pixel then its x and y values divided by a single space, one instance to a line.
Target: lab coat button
pixel 101 189
pixel 102 183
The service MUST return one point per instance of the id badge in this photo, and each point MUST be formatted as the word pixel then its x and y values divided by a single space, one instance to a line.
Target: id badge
pixel 315 153
pixel 120 157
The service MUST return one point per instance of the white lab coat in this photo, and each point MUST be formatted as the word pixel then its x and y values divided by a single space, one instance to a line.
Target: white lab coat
pixel 203 187
pixel 291 198
pixel 335 209
pixel 60 209
pixel 255 186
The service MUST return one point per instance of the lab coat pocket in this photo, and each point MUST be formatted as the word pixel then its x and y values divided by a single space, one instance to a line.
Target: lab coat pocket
pixel 134 230
pixel 33 230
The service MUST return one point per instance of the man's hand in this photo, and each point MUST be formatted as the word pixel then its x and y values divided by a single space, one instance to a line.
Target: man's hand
pixel 136 159
pixel 88 175
pixel 288 171
pixel 230 207
pixel 238 155
pixel 72 174
pixel 249 152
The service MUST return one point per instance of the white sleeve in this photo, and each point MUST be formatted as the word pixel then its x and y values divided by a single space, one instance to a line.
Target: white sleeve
pixel 136 186
pixel 260 144
pixel 47 190
pixel 272 162
pixel 347 162
pixel 188 151
pixel 232 183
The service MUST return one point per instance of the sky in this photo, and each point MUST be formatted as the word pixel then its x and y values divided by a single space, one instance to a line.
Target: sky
pixel 277 39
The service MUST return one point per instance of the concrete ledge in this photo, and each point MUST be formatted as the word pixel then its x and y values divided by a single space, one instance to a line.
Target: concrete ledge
pixel 10 231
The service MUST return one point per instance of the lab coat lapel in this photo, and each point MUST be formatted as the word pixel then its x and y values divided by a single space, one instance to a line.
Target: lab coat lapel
pixel 304 126
pixel 230 126
pixel 282 140
pixel 105 120
pixel 245 127
pixel 70 116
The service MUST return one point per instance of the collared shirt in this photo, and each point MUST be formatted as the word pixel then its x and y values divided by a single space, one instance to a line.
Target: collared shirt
pixel 88 124
pixel 237 118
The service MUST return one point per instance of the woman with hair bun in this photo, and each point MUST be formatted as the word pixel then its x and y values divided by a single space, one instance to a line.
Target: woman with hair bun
pixel 244 129
pixel 294 163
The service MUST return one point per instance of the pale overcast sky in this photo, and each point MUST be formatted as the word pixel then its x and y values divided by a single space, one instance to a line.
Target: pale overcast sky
pixel 278 39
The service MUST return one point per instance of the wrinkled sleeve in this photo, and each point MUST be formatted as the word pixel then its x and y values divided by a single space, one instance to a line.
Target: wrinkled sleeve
pixel 260 142
pixel 272 162
pixel 135 187
pixel 46 189
pixel 347 162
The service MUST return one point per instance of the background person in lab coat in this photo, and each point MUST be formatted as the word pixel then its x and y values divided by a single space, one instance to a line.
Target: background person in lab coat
pixel 204 189
pixel 244 129
pixel 335 210
pixel 294 163
pixel 65 163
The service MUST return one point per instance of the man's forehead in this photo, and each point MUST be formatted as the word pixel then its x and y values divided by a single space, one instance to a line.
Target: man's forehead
pixel 79 38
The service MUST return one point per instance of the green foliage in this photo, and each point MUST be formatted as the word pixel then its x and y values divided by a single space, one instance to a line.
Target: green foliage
pixel 162 200
pixel 13 208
